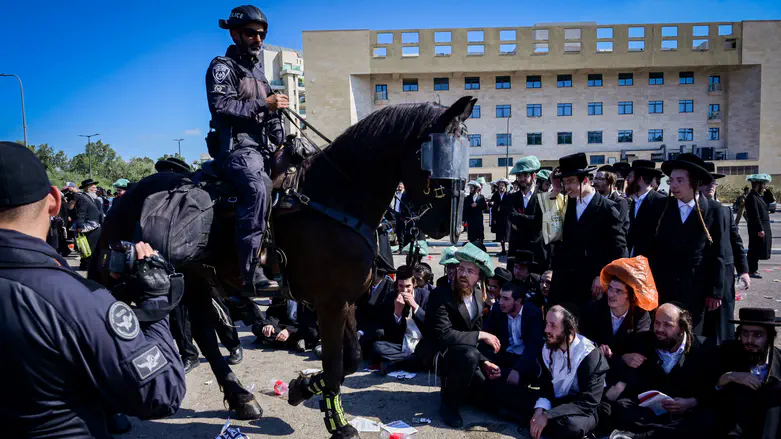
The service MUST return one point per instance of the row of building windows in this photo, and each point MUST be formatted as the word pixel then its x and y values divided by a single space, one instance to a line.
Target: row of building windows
pixel 599 159
pixel 596 109
pixel 562 81
pixel 594 137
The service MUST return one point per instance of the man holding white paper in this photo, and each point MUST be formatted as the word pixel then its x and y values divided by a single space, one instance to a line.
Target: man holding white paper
pixel 678 368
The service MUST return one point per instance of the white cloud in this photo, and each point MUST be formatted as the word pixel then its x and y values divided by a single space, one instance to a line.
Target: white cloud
pixel 192 132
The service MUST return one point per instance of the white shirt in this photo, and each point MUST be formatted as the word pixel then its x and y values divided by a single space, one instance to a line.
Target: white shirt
pixel 528 196
pixel 471 306
pixel 474 198
pixel 670 359
pixel 616 321
pixel 686 209
pixel 639 201
pixel 582 203
pixel 397 201
pixel 516 338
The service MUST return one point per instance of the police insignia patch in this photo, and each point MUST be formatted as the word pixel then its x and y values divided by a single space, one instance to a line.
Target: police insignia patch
pixel 219 89
pixel 220 72
pixel 149 362
pixel 122 320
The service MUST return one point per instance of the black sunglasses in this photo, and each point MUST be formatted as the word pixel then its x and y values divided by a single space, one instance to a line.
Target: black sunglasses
pixel 251 33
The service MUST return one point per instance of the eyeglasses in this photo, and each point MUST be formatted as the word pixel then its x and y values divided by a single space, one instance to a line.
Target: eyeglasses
pixel 615 290
pixel 467 271
pixel 252 33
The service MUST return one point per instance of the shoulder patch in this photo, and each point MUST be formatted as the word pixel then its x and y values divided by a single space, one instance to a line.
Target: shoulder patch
pixel 220 72
pixel 149 362
pixel 123 321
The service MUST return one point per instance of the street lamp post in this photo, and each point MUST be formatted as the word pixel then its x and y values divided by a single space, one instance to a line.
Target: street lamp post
pixel 89 156
pixel 24 116
pixel 507 148
pixel 179 141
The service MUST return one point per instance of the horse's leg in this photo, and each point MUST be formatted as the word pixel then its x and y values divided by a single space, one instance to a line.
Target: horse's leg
pixel 332 319
pixel 352 346
pixel 203 320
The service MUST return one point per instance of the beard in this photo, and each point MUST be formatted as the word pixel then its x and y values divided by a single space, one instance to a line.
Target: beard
pixel 252 49
pixel 461 287
pixel 555 342
pixel 632 188
pixel 666 344
pixel 755 358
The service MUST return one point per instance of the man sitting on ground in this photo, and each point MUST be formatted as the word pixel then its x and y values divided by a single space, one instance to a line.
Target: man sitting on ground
pixel 449 261
pixel 288 325
pixel 522 263
pixel 670 360
pixel 572 376
pixel 372 309
pixel 402 328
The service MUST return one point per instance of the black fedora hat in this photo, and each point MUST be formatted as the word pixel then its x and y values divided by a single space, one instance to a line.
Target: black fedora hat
pixel 524 257
pixel 608 168
pixel 622 169
pixel 87 183
pixel 646 166
pixel 691 163
pixel 574 164
pixel 711 167
pixel 502 274
pixel 173 164
pixel 757 316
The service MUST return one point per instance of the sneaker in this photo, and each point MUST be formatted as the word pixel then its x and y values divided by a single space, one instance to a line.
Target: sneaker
pixel 450 415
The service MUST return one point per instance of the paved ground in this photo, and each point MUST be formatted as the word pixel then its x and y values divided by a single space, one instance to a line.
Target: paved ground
pixel 365 394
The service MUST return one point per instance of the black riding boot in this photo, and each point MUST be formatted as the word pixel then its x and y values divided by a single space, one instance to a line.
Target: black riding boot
pixel 258 283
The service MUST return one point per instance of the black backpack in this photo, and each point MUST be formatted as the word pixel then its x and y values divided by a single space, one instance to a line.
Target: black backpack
pixel 178 222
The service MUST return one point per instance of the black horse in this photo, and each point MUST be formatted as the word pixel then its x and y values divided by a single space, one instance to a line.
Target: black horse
pixel 330 265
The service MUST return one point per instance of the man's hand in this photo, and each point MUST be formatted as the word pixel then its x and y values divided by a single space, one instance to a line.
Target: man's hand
pixel 633 360
pixel 398 305
pixel 277 102
pixel 490 340
pixel 283 335
pixel 491 370
pixel 605 349
pixel 596 288
pixel 615 391
pixel 409 299
pixel 538 423
pixel 513 378
pixel 475 205
pixel 712 303
pixel 761 234
pixel 268 331
pixel 746 279
pixel 679 405
pixel 743 378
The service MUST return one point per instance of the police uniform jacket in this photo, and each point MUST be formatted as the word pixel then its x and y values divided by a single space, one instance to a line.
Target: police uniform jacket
pixel 236 89
pixel 72 353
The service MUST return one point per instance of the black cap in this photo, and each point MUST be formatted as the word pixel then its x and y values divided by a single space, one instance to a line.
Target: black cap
pixel 23 178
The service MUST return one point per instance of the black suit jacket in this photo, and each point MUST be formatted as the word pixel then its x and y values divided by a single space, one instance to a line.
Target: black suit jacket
pixel 758 220
pixel 597 325
pixel 277 316
pixel 685 266
pixel 591 384
pixel 372 309
pixel 394 332
pixel 501 206
pixel 528 222
pixel 694 376
pixel 473 216
pixel 531 331
pixel 588 244
pixel 623 208
pixel 643 226
pixel 448 323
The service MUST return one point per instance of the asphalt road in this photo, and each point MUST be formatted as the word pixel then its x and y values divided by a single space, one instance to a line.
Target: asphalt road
pixel 366 394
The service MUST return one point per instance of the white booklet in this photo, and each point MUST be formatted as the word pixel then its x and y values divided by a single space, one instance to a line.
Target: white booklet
pixel 653 400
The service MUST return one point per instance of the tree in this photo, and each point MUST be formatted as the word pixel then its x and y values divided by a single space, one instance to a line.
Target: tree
pixel 177 156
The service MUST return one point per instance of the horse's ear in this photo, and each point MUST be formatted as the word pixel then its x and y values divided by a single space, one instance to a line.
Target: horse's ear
pixel 459 111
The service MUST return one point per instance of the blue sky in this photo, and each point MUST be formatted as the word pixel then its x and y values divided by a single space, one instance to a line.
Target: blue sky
pixel 134 71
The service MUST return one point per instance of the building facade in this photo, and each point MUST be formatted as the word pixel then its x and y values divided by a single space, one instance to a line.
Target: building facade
pixel 615 92
pixel 285 71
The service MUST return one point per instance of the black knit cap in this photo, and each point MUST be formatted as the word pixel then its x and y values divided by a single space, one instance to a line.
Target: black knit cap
pixel 23 178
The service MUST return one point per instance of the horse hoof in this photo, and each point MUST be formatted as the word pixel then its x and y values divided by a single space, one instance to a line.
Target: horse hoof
pixel 248 410
pixel 347 432
pixel 297 391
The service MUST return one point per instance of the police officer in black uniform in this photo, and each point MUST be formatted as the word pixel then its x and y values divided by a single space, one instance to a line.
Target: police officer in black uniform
pixel 72 353
pixel 247 127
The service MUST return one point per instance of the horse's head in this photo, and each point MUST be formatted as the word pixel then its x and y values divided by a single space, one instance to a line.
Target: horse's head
pixel 434 171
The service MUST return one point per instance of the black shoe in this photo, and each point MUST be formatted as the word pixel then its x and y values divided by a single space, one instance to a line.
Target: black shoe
pixel 236 356
pixel 318 350
pixel 259 283
pixel 118 424
pixel 190 364
pixel 755 275
pixel 386 367
pixel 301 346
pixel 451 415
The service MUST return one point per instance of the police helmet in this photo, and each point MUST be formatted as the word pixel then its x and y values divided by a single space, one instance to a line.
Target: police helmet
pixel 243 15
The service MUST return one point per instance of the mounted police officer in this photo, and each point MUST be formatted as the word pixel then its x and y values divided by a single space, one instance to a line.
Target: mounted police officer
pixel 246 129
pixel 73 353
